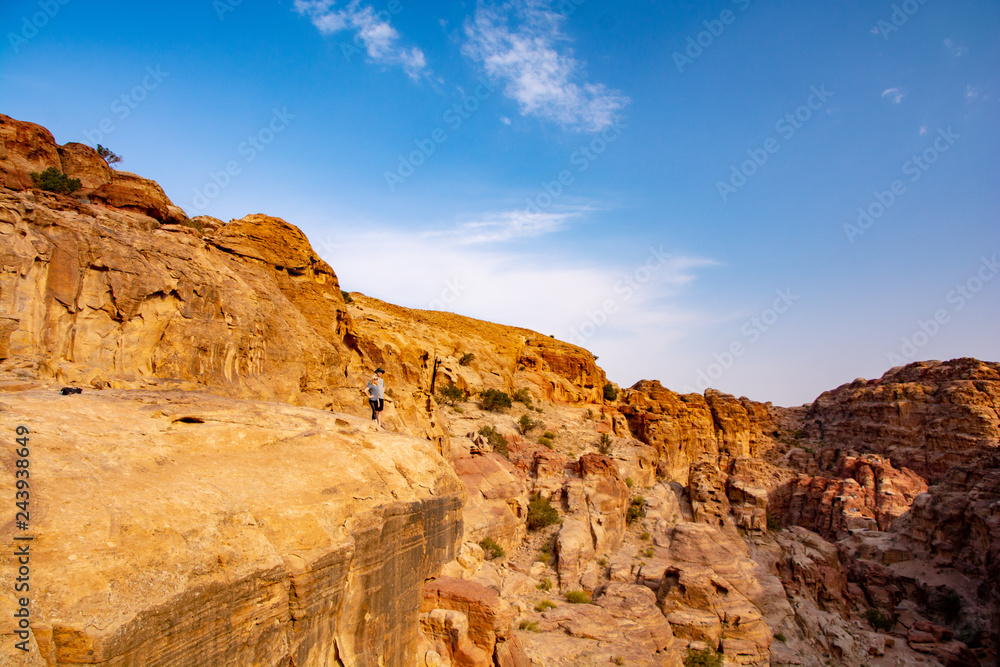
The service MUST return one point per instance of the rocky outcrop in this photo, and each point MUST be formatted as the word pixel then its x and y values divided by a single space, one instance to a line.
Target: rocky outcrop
pixel 595 499
pixel 497 499
pixel 686 428
pixel 444 349
pixel 189 529
pixel 860 493
pixel 926 416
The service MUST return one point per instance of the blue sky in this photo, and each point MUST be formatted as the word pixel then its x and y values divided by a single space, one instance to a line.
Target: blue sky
pixel 769 198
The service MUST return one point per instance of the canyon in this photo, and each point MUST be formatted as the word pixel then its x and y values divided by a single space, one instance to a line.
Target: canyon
pixel 217 494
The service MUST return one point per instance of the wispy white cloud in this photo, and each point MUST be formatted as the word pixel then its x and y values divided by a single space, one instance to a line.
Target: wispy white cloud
pixel 380 40
pixel 972 93
pixel 507 225
pixel 522 46
pixel 895 95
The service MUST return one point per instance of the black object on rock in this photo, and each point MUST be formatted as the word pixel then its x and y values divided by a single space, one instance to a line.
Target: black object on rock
pixel 66 391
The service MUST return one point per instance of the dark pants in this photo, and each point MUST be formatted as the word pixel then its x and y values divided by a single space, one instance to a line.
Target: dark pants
pixel 377 406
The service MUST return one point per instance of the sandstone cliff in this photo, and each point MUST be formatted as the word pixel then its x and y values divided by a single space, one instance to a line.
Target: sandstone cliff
pixel 218 496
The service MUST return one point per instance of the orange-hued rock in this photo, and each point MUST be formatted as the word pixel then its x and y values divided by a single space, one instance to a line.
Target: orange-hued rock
pixel 686 428
pixel 596 499
pixel 129 192
pixel 927 416
pixel 25 148
pixel 710 593
pixel 190 529
pixel 497 499
pixel 82 162
pixel 487 624
pixel 429 345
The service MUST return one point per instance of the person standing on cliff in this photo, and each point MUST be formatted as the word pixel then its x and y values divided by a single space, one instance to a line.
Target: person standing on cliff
pixel 375 389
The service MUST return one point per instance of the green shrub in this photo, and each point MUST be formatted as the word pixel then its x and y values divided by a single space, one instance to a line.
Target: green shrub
pixel 549 434
pixel 496 440
pixel 878 620
pixel 546 584
pixel 603 562
pixel 780 636
pixel 494 400
pixel 56 181
pixel 545 442
pixel 492 549
pixel 648 552
pixel 193 224
pixel 629 483
pixel 610 393
pixel 525 424
pixel 604 444
pixel 706 657
pixel 578 597
pixel 645 536
pixel 636 509
pixel 530 626
pixel 522 395
pixel 545 605
pixel 466 359
pixel 541 513
pixel 458 410
pixel 452 394
pixel 772 523
pixel 347 296
pixel 109 156
pixel 946 604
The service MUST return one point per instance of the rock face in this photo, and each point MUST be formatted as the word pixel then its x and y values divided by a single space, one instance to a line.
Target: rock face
pixel 927 416
pixel 429 346
pixel 177 528
pixel 686 428
pixel 860 493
